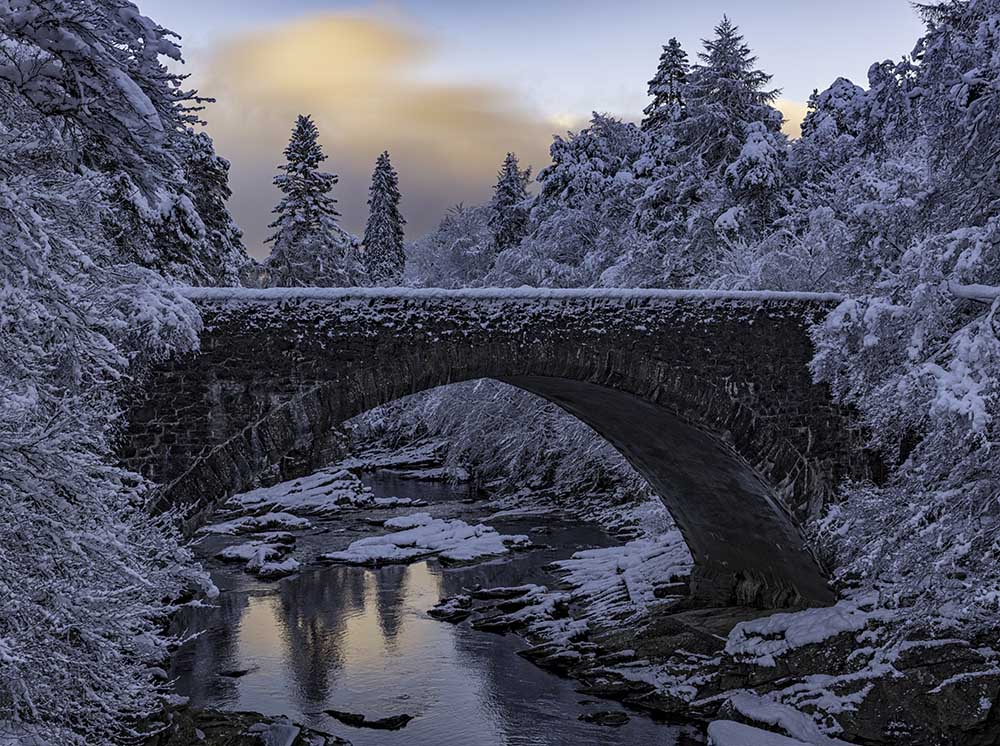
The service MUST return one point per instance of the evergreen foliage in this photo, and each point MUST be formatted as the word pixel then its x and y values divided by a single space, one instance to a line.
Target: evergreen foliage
pixel 509 218
pixel 667 88
pixel 310 247
pixel 384 255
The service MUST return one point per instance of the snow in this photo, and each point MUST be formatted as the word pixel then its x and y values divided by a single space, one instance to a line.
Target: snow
pixel 760 641
pixel 423 536
pixel 790 720
pixel 250 551
pixel 622 579
pixel 419 454
pixel 254 523
pixel 275 570
pixel 321 492
pixel 731 733
pixel 282 295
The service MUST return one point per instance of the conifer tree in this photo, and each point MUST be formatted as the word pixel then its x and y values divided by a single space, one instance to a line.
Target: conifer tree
pixel 667 88
pixel 384 256
pixel 724 95
pixel 508 211
pixel 307 203
pixel 310 248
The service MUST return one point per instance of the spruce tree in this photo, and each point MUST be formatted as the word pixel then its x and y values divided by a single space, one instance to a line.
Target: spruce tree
pixel 384 256
pixel 307 204
pixel 724 95
pixel 667 88
pixel 508 212
pixel 310 248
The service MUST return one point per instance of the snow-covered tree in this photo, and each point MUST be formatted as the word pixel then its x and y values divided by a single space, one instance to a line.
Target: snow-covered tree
pixel 221 254
pixel 460 252
pixel 699 205
pixel 580 222
pixel 915 348
pixel 87 574
pixel 96 64
pixel 667 88
pixel 310 247
pixel 384 255
pixel 724 95
pixel 96 67
pixel 509 209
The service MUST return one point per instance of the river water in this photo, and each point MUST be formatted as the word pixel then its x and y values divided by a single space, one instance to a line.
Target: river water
pixel 359 640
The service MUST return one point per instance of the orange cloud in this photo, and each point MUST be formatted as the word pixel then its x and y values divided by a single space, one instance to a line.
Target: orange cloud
pixel 358 77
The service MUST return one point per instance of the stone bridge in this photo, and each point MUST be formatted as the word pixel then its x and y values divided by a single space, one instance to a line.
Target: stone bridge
pixel 708 395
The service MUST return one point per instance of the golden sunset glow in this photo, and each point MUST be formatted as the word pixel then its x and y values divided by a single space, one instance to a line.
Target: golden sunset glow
pixel 359 79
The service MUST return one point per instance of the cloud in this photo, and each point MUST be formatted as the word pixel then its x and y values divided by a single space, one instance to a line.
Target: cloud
pixel 359 78
pixel 795 112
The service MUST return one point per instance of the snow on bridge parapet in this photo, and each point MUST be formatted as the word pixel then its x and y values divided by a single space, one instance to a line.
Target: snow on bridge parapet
pixel 279 295
pixel 435 312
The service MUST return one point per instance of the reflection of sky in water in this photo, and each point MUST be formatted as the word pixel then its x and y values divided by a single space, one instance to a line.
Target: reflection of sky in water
pixel 378 656
pixel 359 640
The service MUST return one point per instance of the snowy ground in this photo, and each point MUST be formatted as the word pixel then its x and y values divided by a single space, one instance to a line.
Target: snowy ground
pixel 272 518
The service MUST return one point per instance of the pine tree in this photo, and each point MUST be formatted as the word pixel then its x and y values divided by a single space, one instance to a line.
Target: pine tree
pixel 310 248
pixel 509 214
pixel 384 256
pixel 667 88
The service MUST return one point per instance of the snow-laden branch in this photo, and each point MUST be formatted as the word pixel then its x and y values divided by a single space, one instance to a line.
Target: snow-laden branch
pixel 980 293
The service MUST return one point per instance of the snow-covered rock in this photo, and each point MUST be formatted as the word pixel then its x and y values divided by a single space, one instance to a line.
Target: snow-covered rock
pixel 321 492
pixel 731 733
pixel 255 523
pixel 762 640
pixel 423 536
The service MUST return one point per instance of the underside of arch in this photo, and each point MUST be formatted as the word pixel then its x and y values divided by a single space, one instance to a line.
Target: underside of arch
pixel 746 547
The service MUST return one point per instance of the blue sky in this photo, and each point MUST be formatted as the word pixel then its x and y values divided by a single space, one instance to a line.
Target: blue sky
pixel 536 68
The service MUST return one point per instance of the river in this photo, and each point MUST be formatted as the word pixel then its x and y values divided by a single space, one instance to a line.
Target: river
pixel 359 640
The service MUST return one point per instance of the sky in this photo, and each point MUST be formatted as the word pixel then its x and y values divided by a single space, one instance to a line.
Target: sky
pixel 449 86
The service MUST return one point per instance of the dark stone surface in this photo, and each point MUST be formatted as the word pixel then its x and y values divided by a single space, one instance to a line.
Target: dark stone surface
pixel 710 399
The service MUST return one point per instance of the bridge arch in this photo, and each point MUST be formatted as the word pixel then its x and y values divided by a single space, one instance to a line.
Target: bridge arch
pixel 707 395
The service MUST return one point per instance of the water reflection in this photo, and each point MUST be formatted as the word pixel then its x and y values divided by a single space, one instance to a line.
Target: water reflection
pixel 359 640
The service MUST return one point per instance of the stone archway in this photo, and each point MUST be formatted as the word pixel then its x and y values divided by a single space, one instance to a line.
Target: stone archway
pixel 708 395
